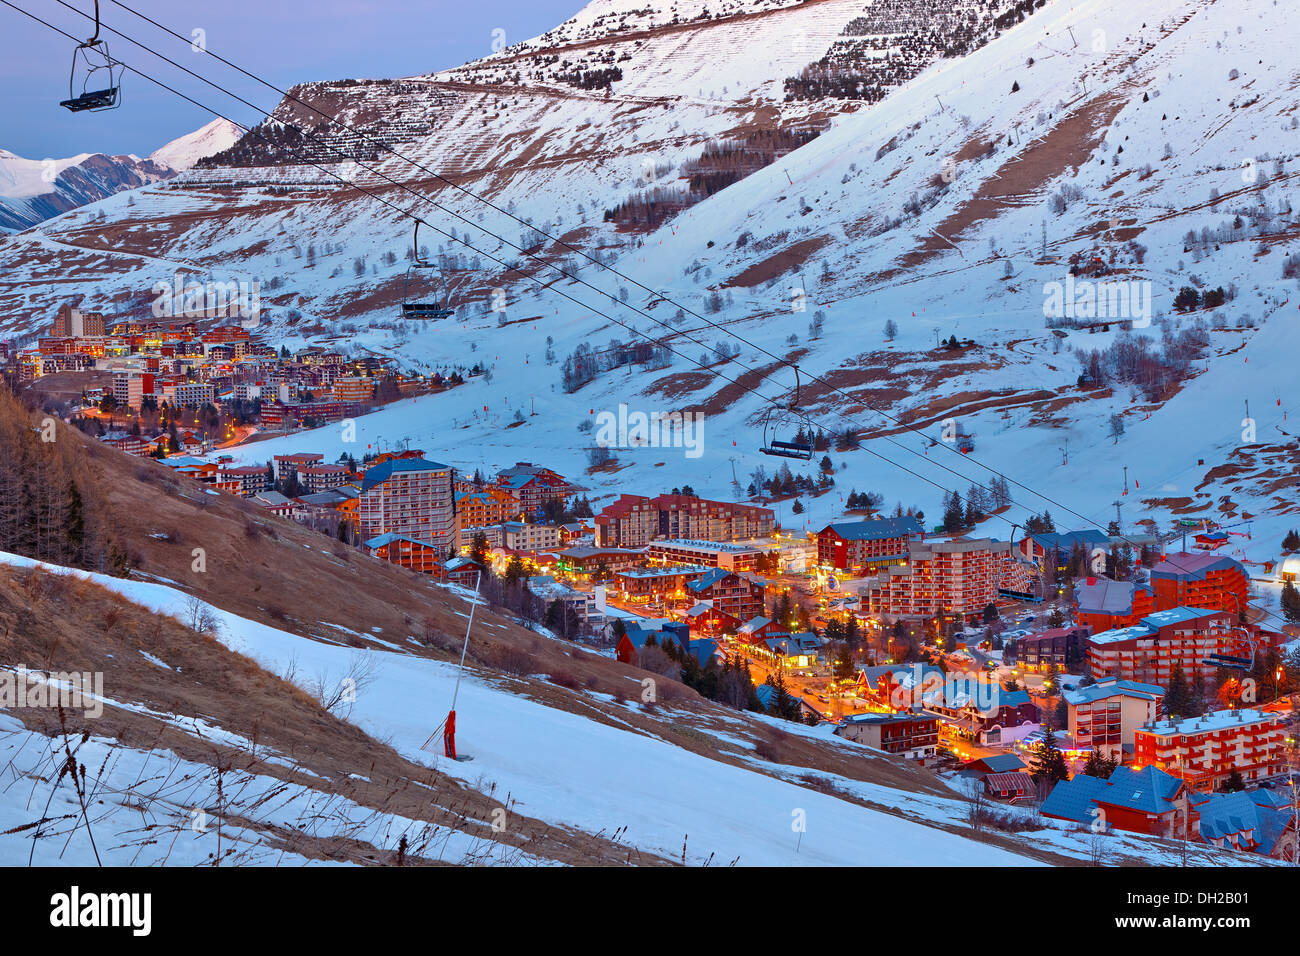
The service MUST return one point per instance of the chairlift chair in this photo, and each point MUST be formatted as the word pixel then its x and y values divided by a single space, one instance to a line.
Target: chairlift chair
pixel 436 309
pixel 778 421
pixel 93 57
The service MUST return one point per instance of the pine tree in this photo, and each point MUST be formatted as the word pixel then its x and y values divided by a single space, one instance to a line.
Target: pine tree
pixel 1291 542
pixel 1177 697
pixel 1048 763
pixel 1291 603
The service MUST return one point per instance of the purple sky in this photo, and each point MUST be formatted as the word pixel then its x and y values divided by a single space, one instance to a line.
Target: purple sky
pixel 283 41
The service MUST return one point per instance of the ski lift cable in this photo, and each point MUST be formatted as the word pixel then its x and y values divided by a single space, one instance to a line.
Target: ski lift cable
pixel 1059 505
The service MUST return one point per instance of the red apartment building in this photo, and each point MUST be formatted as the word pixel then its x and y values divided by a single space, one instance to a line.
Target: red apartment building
pixel 1187 579
pixel 1204 751
pixel 1149 650
pixel 634 521
pixel 1104 605
pixel 861 547
pixel 947 577
pixel 532 485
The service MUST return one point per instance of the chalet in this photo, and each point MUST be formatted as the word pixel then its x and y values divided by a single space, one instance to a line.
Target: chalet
pixel 1250 821
pixel 461 570
pixel 860 547
pixel 995 763
pixel 131 444
pixel 1012 786
pixel 758 629
pixel 704 618
pixel 662 631
pixel 276 503
pixel 407 552
pixel 740 595
pixel 1138 801
pixel 657 585
pixel 914 736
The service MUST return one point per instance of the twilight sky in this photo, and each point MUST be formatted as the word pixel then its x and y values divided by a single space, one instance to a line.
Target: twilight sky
pixel 283 41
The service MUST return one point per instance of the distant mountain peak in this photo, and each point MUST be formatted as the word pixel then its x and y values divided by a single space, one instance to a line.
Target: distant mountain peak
pixel 183 152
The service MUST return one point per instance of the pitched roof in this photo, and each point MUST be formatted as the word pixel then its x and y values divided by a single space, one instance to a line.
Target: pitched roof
pixel 1075 799
pixel 1149 790
pixel 1189 566
pixel 381 473
pixel 876 528
pixel 1066 540
pixel 1105 689
pixel 1016 781
pixel 1000 763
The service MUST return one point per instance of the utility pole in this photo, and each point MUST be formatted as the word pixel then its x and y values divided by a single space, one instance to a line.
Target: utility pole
pixel 1119 522
pixel 1126 479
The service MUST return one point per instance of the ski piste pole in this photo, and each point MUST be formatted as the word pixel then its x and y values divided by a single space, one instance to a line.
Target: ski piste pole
pixel 449 735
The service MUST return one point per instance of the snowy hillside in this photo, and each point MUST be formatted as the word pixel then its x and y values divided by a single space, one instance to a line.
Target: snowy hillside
pixel 1150 143
pixel 656 801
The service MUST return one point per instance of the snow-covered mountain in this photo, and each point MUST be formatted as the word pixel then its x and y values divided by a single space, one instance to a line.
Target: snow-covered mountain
pixel 1149 144
pixel 183 152
pixel 34 190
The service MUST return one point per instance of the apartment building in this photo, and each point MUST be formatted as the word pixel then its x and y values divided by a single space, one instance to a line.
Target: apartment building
pixel 1196 579
pixel 130 388
pixel 1107 715
pixel 861 547
pixel 708 554
pixel 1104 605
pixel 410 497
pixel 318 478
pixel 1056 647
pixel 945 577
pixel 349 388
pixel 1204 751
pixel 245 480
pixel 1149 650
pixel 476 508
pixel 190 394
pixel 633 521
pixel 73 322
pixel 513 535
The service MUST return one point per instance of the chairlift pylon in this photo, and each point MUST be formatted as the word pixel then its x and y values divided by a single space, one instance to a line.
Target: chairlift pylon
pixel 777 421
pixel 411 309
pixel 94 58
